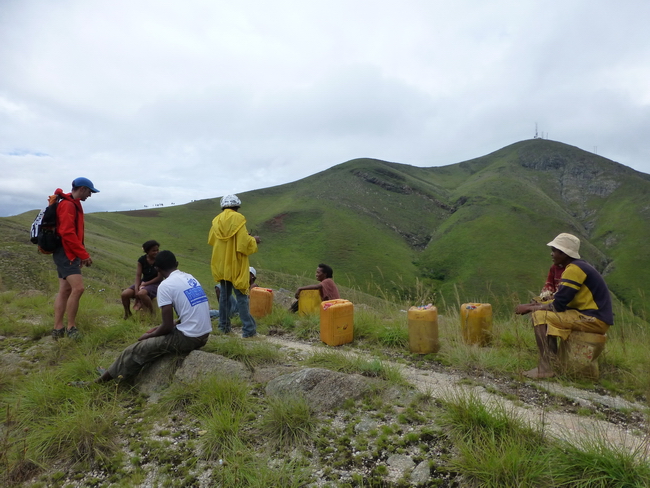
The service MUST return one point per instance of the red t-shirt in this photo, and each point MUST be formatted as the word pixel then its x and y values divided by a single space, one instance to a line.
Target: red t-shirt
pixel 328 290
pixel 553 279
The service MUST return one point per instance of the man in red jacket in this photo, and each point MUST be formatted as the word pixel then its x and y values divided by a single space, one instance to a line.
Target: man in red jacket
pixel 71 255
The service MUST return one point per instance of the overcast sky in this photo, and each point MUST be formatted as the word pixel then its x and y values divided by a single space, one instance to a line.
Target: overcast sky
pixel 160 101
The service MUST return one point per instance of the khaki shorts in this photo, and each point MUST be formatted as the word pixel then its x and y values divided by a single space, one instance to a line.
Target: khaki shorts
pixel 562 323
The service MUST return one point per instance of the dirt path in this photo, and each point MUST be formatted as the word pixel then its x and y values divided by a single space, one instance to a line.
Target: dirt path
pixel 559 424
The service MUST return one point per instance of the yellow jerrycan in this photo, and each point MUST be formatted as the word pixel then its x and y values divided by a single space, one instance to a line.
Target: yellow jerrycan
pixel 261 302
pixel 309 302
pixel 476 323
pixel 336 322
pixel 423 329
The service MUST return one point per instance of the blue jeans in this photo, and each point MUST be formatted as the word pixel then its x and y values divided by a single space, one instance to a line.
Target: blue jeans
pixel 214 314
pixel 249 328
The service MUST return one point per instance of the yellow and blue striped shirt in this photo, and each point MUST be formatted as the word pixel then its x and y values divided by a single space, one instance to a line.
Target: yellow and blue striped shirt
pixel 582 288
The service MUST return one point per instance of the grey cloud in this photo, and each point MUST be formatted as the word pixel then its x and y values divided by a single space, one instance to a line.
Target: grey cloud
pixel 197 99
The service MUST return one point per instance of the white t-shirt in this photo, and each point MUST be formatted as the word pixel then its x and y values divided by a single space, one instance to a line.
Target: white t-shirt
pixel 184 293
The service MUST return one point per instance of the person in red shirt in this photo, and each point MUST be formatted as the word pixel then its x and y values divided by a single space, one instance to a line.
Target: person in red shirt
pixel 326 286
pixel 71 255
pixel 552 282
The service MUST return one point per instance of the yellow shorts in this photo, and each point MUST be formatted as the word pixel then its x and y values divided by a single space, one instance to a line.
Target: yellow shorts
pixel 562 323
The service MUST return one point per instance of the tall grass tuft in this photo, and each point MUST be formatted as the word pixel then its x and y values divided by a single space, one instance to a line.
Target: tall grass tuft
pixel 352 363
pixel 505 462
pixel 393 334
pixel 279 317
pixel 223 428
pixel 52 420
pixel 468 416
pixel 288 420
pixel 222 405
pixel 241 467
pixel 224 393
pixel 596 462
pixel 306 327
pixel 496 448
pixel 365 321
pixel 250 353
pixel 387 329
pixel 79 432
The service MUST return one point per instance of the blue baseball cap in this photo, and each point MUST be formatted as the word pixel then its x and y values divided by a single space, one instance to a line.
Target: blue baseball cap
pixel 81 181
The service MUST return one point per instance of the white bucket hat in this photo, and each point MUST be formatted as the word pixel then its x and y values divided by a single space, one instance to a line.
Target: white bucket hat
pixel 230 201
pixel 252 270
pixel 568 244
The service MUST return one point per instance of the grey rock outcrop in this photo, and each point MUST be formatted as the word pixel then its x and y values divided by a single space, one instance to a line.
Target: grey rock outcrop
pixel 366 425
pixel 156 376
pixel 421 473
pixel 399 465
pixel 159 374
pixel 200 364
pixel 323 389
pixel 265 374
pixel 10 363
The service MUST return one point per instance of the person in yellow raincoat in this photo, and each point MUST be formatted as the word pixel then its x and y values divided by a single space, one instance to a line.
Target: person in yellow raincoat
pixel 231 246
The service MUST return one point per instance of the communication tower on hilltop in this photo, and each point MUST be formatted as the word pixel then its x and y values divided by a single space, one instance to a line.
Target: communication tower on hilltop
pixel 536 136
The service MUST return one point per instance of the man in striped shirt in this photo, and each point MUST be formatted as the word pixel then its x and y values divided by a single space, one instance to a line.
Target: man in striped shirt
pixel 582 302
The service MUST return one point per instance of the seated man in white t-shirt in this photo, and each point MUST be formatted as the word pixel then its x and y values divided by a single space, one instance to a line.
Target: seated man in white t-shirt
pixel 178 291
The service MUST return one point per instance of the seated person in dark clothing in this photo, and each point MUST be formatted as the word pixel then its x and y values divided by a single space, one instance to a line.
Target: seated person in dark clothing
pixel 326 286
pixel 147 279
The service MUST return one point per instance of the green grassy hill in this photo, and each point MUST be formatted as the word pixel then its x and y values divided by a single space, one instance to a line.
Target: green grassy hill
pixel 475 230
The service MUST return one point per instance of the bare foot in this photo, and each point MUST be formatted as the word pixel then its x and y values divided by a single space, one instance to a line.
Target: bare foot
pixel 127 315
pixel 536 374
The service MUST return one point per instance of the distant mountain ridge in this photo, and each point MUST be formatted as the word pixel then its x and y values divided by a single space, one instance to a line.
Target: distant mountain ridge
pixel 475 230
pixel 480 224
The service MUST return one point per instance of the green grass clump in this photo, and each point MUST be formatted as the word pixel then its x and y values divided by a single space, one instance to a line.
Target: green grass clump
pixel 221 404
pixel 595 462
pixel 498 449
pixel 227 393
pixel 49 420
pixel 288 420
pixel 242 467
pixel 352 363
pixel 469 417
pixel 252 353
pixel 223 429
pixel 394 335
pixel 80 433
pixel 385 328
pixel 279 317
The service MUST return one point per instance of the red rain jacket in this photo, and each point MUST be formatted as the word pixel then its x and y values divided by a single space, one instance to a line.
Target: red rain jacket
pixel 70 226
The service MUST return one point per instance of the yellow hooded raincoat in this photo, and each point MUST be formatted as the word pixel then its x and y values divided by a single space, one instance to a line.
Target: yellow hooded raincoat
pixel 231 246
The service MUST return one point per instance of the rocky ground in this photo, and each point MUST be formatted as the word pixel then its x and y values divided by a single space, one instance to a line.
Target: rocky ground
pixel 565 411
pixel 388 444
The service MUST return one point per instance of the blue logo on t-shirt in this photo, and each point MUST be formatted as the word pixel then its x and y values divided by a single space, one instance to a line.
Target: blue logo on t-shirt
pixel 195 295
